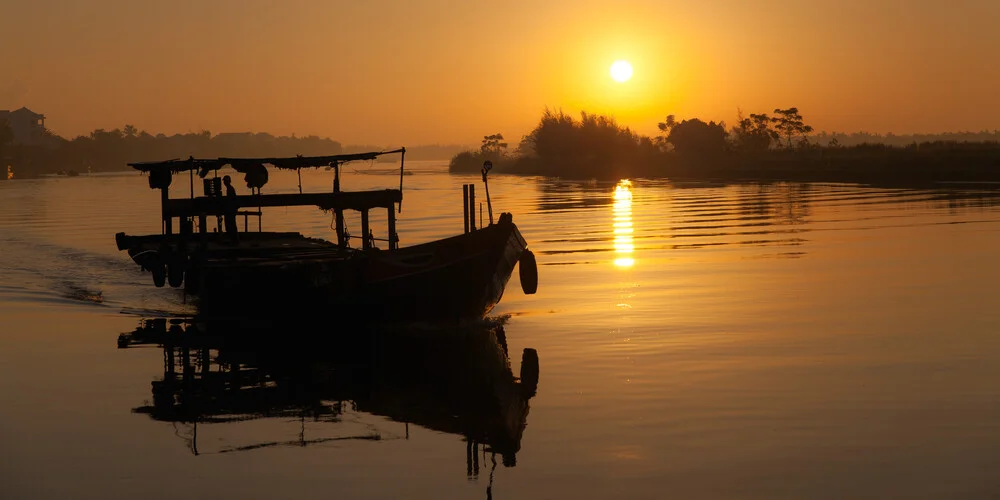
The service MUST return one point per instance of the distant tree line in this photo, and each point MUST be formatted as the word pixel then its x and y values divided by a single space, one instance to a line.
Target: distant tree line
pixel 108 150
pixel 890 139
pixel 775 146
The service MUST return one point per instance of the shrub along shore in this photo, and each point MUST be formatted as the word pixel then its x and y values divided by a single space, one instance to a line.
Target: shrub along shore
pixel 759 148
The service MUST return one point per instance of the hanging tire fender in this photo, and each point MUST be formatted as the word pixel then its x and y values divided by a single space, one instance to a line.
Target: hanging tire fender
pixel 529 373
pixel 175 271
pixel 527 269
pixel 159 274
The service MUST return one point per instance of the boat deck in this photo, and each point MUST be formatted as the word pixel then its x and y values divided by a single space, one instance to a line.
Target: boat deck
pixel 250 247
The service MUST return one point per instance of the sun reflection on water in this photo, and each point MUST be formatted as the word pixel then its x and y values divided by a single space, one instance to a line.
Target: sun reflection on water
pixel 622 224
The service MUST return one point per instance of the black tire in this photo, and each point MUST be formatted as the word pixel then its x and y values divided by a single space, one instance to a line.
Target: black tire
pixel 529 373
pixel 527 268
pixel 159 275
pixel 175 274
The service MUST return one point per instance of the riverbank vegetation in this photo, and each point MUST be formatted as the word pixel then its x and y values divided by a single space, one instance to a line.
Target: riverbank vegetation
pixel 760 146
pixel 111 150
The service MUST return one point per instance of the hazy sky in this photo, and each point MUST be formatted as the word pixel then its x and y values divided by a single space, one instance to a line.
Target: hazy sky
pixel 415 72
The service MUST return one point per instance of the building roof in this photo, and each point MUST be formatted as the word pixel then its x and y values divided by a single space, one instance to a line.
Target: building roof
pixel 21 111
pixel 24 110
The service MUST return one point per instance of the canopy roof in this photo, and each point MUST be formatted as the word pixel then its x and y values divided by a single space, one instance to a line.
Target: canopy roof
pixel 203 166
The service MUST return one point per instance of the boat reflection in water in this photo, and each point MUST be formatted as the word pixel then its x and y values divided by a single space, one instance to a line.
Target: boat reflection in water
pixel 456 380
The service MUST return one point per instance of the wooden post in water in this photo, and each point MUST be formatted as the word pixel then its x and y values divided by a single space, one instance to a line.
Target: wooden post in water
pixel 365 243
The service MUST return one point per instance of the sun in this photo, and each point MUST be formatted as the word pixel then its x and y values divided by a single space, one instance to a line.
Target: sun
pixel 621 71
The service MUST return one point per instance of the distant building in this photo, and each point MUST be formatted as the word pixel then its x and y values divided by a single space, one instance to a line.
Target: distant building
pixel 28 126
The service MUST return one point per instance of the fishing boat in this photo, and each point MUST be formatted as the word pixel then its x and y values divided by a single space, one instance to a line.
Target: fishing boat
pixel 233 272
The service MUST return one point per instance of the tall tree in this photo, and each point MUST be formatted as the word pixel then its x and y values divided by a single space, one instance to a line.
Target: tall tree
pixel 493 145
pixel 753 133
pixel 789 124
pixel 697 137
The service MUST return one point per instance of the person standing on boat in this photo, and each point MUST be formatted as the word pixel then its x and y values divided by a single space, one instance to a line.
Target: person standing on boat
pixel 231 207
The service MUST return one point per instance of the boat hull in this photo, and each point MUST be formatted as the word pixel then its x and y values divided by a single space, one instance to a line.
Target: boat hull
pixel 451 279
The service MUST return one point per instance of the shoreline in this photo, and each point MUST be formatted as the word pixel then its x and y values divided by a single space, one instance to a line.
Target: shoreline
pixel 930 164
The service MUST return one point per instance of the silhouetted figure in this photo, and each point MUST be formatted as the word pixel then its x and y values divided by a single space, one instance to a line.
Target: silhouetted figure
pixel 231 208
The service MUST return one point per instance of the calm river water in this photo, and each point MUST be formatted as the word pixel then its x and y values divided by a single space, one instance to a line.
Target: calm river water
pixel 694 341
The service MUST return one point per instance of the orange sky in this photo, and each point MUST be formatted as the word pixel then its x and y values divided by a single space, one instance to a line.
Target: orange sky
pixel 409 72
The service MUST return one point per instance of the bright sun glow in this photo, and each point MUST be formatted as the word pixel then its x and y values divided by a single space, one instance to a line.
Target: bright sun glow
pixel 621 71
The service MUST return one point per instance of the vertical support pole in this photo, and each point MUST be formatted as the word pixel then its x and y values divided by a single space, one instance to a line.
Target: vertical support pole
pixel 167 222
pixel 169 363
pixel 299 170
pixel 191 172
pixel 472 207
pixel 391 221
pixel 338 214
pixel 235 378
pixel 489 205
pixel 475 458
pixel 365 244
pixel 487 165
pixel 203 218
pixel 341 240
pixel 216 194
pixel 465 206
pixel 187 369
pixel 468 456
pixel 402 158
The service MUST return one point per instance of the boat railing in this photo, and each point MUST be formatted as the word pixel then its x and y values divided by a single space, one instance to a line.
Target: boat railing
pixel 214 203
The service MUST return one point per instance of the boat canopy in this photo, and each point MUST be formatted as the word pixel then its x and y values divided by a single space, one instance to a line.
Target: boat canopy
pixel 244 165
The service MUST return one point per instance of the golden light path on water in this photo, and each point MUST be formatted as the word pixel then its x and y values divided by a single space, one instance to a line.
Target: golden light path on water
pixel 622 224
